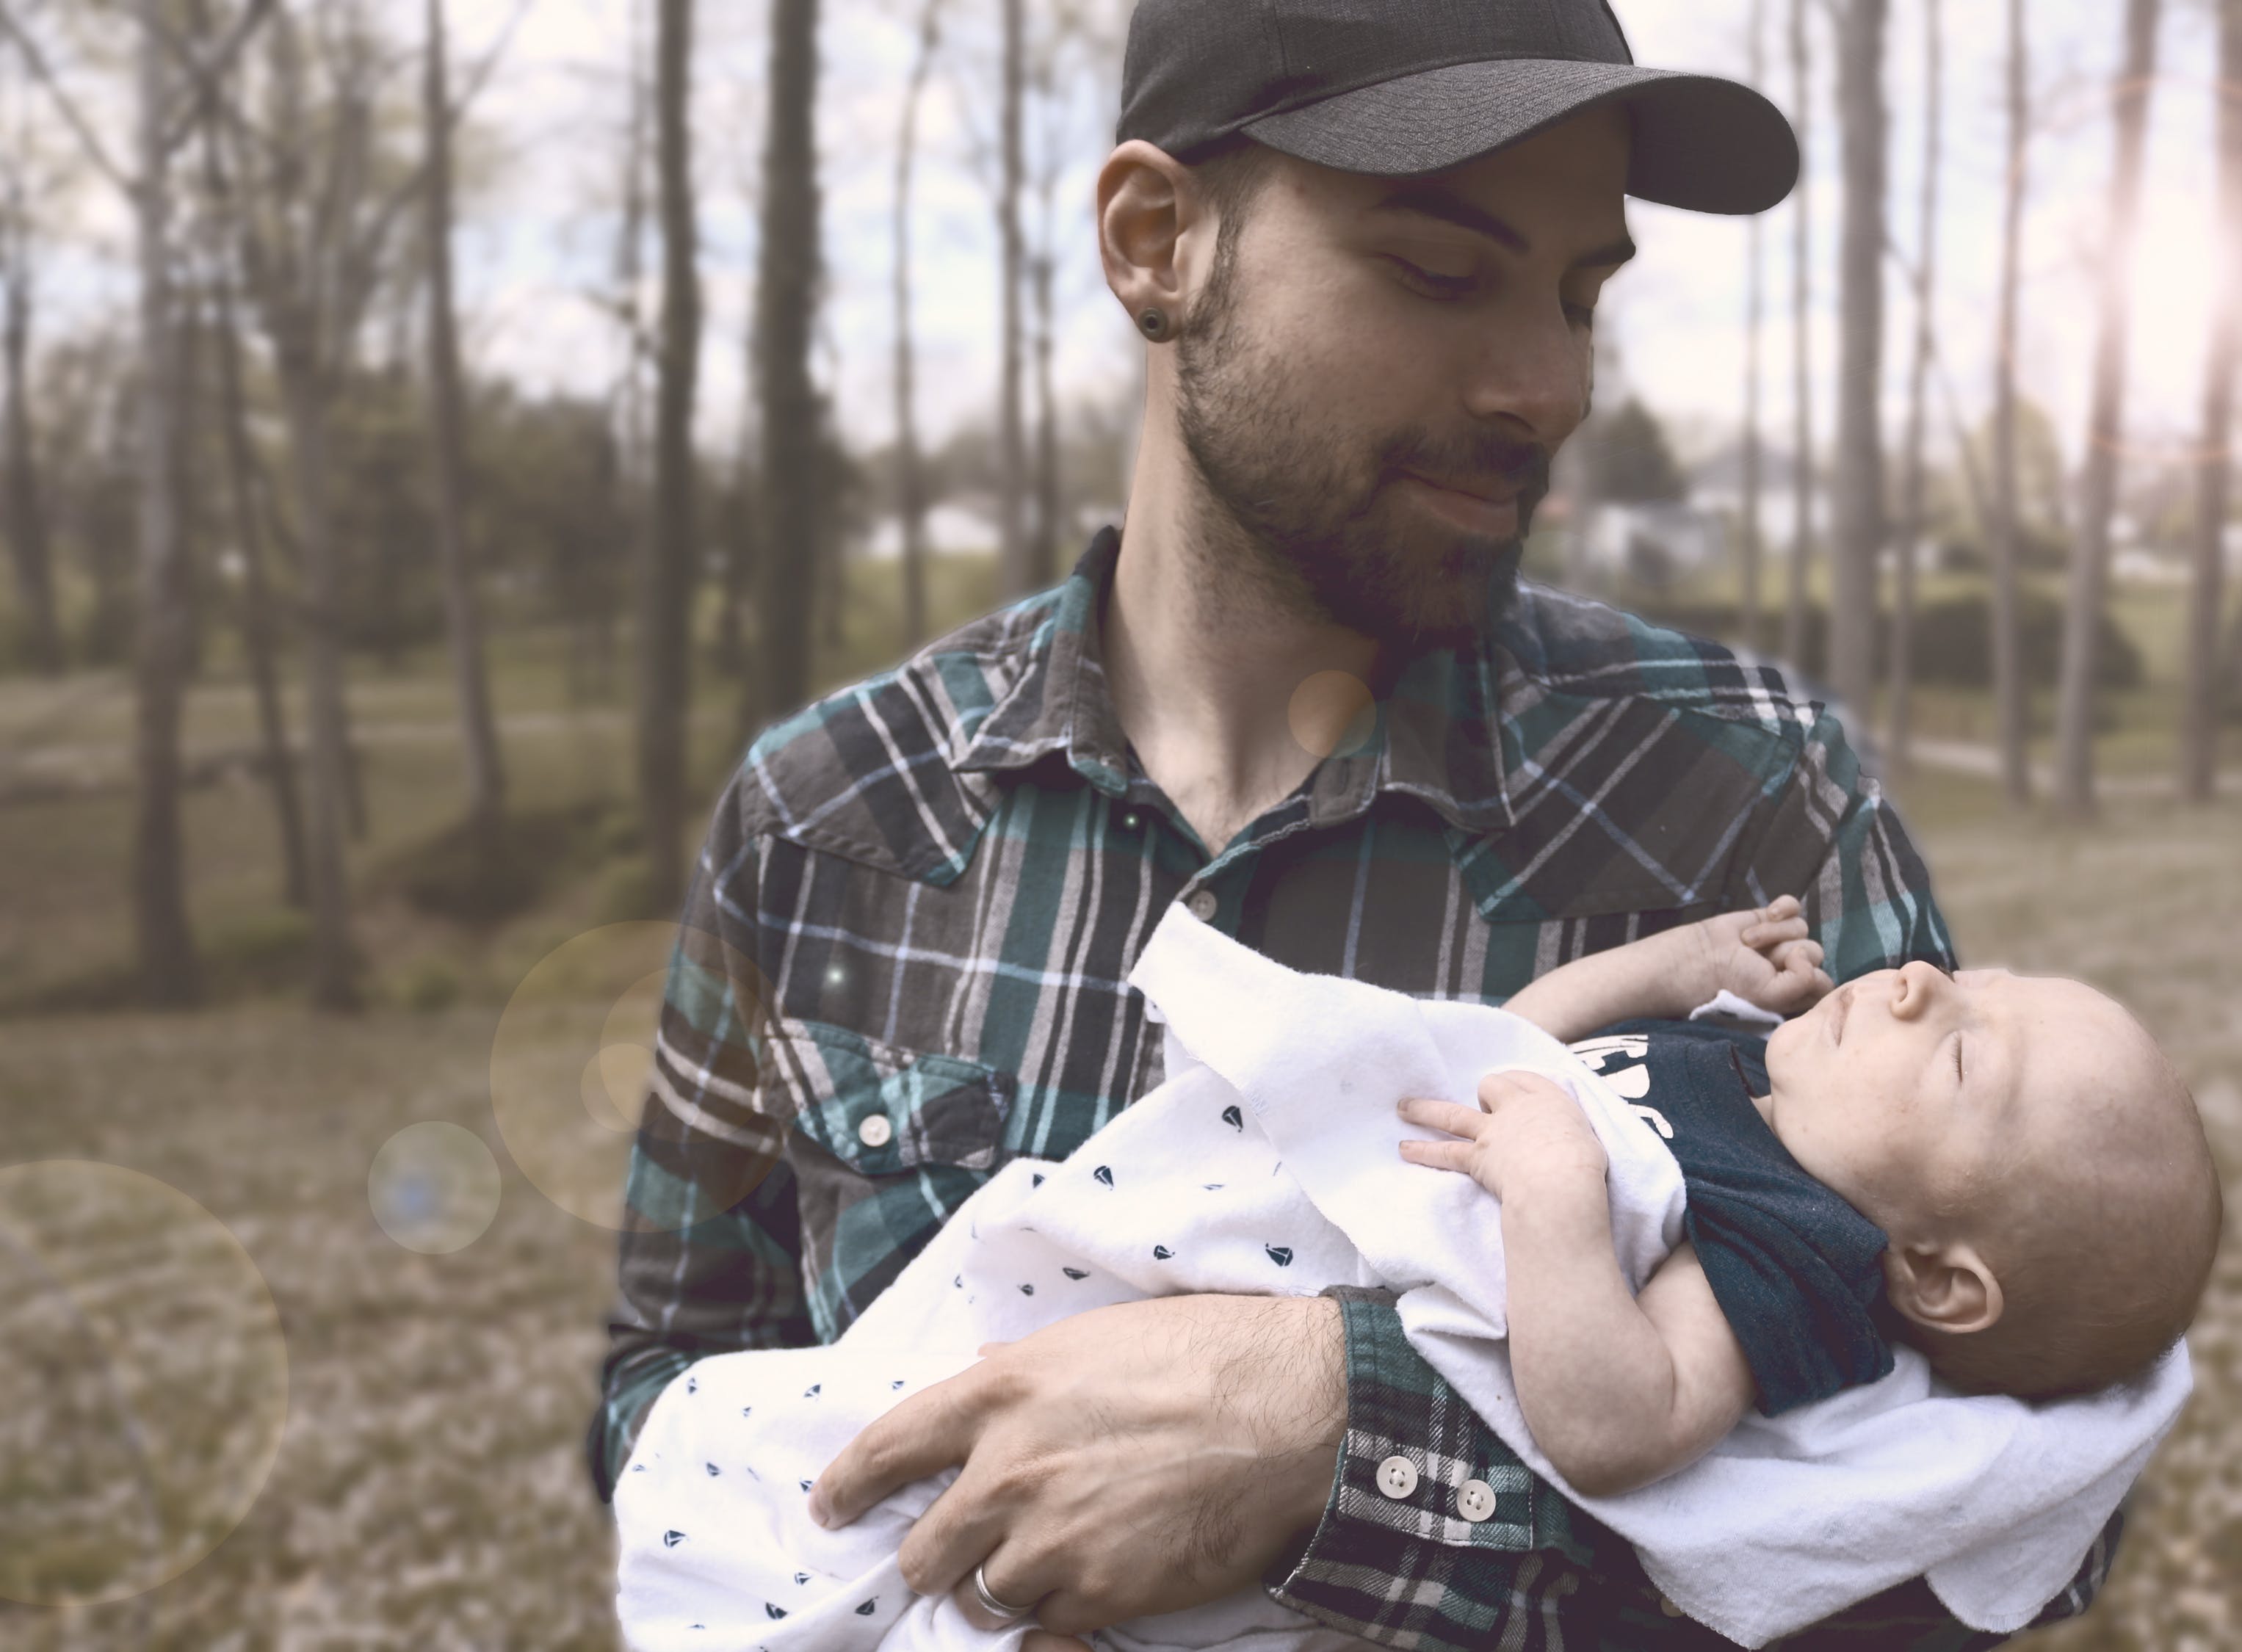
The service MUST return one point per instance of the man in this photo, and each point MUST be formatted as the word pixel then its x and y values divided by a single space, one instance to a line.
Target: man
pixel 1303 694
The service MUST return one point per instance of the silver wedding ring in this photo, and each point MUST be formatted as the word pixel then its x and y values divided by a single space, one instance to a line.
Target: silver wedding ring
pixel 989 1601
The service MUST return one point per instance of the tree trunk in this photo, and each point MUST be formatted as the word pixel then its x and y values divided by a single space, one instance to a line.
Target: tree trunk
pixel 186 486
pixel 1802 318
pixel 447 434
pixel 1015 575
pixel 786 298
pixel 2090 561
pixel 334 962
pixel 1043 547
pixel 1751 548
pixel 26 518
pixel 2200 720
pixel 169 972
pixel 666 573
pixel 910 473
pixel 738 530
pixel 257 640
pixel 1860 491
pixel 2009 704
pixel 596 638
pixel 832 550
pixel 1910 548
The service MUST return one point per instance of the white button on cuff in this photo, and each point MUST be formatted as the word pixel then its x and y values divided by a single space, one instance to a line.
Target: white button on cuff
pixel 1475 1501
pixel 876 1131
pixel 1397 1476
pixel 1204 904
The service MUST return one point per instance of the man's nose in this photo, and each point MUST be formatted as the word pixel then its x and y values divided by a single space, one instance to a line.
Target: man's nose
pixel 1531 373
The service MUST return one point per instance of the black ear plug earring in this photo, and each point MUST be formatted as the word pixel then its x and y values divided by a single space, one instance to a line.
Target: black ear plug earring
pixel 1155 324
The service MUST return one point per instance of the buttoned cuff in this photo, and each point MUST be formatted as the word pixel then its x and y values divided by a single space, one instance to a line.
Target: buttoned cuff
pixel 1417 1468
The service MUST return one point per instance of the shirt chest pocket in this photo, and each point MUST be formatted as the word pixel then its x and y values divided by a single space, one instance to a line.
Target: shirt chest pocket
pixel 883 1109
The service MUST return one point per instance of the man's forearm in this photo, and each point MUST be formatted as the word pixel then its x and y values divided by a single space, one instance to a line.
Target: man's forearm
pixel 1295 1410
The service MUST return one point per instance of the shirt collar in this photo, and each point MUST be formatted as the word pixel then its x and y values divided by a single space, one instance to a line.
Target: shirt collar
pixel 1440 737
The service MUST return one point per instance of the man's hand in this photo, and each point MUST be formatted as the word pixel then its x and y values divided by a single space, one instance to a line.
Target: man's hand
pixel 1526 1131
pixel 1764 957
pixel 1131 1459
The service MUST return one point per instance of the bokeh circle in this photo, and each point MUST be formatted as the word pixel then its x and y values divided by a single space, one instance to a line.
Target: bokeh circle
pixel 144 1383
pixel 1333 714
pixel 572 1065
pixel 433 1187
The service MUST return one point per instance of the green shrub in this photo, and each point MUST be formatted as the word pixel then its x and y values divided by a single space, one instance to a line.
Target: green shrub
pixel 1953 639
pixel 457 874
pixel 427 986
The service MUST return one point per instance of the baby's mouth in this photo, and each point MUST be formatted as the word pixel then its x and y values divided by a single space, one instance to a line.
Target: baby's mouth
pixel 1843 1003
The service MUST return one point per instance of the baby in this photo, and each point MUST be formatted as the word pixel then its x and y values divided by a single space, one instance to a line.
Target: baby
pixel 2004 1171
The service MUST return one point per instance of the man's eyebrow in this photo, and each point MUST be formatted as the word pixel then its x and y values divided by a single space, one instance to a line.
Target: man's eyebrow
pixel 1450 208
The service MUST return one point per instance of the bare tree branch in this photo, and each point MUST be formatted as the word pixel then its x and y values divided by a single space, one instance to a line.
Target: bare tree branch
pixel 362 260
pixel 208 69
pixel 96 151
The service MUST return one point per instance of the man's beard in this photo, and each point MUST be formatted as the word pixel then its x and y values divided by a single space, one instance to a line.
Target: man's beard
pixel 1315 506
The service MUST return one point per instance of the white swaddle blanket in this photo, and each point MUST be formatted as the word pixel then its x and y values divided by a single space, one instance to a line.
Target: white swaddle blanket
pixel 1267 1163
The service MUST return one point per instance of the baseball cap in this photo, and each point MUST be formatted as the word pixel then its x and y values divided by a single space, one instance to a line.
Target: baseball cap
pixel 1398 88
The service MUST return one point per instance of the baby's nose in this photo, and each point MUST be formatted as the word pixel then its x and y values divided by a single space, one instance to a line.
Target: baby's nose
pixel 1920 983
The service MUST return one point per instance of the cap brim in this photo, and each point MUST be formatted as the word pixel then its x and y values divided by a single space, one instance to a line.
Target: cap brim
pixel 1700 143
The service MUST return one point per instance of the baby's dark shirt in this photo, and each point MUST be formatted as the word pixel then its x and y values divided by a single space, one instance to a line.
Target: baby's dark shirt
pixel 1796 1270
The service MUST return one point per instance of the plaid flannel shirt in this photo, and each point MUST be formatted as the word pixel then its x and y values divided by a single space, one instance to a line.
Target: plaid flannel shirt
pixel 904 962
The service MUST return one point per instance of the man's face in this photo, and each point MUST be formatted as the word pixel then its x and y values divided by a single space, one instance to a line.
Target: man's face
pixel 1374 380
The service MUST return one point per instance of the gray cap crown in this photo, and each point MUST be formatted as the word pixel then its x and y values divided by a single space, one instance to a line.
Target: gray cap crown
pixel 1398 88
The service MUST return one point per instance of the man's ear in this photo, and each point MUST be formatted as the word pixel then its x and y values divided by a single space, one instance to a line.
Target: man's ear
pixel 1148 211
pixel 1943 1287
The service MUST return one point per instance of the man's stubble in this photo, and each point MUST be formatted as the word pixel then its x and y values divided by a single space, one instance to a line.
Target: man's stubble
pixel 1304 509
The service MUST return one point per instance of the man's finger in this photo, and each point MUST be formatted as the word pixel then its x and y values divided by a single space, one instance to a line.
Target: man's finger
pixel 962 1529
pixel 926 1433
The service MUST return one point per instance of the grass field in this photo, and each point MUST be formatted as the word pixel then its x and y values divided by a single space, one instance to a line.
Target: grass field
pixel 429 1490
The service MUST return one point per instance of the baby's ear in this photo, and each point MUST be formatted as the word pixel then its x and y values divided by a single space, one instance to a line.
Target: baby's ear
pixel 1943 1287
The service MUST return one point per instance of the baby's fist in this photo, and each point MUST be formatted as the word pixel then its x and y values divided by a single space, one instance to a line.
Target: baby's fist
pixel 1767 957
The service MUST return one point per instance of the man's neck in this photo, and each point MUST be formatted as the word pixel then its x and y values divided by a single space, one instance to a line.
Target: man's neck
pixel 1206 658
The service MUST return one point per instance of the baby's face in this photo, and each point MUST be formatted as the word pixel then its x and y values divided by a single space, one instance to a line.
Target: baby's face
pixel 1918 1095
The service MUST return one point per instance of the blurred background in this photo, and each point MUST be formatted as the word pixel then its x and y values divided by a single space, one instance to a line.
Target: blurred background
pixel 436 434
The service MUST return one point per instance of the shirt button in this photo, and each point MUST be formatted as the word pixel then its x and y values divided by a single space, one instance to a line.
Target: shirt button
pixel 876 1131
pixel 1397 1476
pixel 1203 904
pixel 1475 1501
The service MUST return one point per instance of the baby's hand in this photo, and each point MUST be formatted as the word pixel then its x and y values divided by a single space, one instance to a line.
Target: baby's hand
pixel 1765 957
pixel 1525 1128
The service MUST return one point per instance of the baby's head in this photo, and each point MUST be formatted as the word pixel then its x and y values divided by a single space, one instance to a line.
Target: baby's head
pixel 2037 1166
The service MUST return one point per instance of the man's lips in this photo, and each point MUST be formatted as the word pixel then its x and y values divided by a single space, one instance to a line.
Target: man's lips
pixel 1490 508
pixel 1486 492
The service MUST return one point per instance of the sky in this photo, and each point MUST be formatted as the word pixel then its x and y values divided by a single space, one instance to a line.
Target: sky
pixel 537 249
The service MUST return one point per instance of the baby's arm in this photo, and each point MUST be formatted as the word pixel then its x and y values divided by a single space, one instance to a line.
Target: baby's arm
pixel 1763 956
pixel 1619 1390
